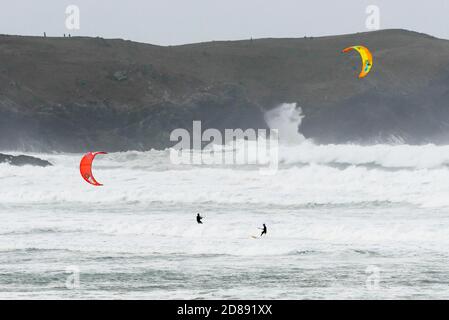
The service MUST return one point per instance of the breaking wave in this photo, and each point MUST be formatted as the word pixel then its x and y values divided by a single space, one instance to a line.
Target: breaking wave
pixel 309 174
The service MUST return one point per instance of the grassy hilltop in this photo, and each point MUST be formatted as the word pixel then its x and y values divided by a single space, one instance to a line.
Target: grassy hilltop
pixel 77 94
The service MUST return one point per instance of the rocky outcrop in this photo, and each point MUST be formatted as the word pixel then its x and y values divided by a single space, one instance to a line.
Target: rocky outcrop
pixel 22 160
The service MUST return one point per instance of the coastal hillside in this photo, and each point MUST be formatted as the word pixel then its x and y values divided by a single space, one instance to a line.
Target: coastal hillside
pixel 77 94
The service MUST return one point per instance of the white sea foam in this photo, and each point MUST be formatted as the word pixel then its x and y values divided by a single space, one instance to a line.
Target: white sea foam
pixel 331 210
pixel 308 174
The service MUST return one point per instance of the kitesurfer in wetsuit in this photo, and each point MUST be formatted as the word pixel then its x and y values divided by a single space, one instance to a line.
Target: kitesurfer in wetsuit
pixel 198 218
pixel 264 230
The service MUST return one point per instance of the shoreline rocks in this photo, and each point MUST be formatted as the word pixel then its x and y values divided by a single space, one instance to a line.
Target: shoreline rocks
pixel 22 160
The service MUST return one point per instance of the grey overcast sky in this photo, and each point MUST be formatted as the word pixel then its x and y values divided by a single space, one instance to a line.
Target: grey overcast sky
pixel 170 22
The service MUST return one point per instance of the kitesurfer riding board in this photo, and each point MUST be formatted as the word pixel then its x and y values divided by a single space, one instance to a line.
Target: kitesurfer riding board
pixel 264 231
pixel 198 219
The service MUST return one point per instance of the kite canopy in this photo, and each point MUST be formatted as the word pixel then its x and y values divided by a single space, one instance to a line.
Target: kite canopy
pixel 86 167
pixel 367 59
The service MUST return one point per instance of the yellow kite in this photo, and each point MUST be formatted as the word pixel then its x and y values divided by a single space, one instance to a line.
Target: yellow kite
pixel 367 59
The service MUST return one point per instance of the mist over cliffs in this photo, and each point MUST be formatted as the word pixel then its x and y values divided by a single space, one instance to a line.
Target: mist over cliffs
pixel 77 94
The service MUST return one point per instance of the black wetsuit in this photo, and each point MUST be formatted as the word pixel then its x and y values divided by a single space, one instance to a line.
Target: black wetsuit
pixel 198 218
pixel 264 230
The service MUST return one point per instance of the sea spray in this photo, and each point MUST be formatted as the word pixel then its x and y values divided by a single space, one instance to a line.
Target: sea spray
pixel 286 118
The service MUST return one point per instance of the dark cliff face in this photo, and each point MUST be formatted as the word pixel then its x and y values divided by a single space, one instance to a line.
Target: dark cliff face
pixel 77 94
pixel 74 127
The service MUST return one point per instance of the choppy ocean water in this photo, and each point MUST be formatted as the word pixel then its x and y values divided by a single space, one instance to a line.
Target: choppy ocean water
pixel 344 221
